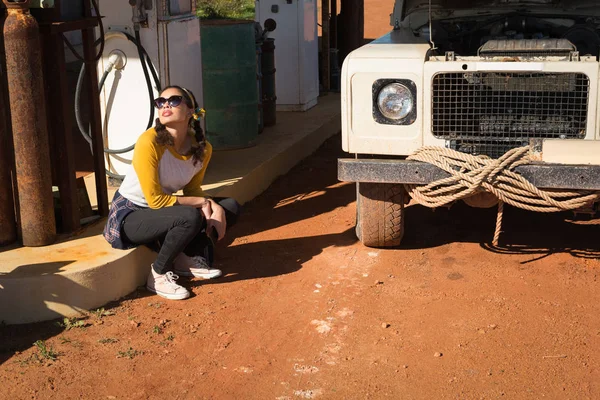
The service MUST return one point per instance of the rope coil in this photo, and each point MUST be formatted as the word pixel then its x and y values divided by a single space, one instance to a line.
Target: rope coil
pixel 472 174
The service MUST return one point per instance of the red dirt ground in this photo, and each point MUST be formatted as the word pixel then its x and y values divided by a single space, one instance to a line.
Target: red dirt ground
pixel 305 311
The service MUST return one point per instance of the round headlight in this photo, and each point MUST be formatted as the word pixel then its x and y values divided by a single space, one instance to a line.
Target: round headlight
pixel 395 101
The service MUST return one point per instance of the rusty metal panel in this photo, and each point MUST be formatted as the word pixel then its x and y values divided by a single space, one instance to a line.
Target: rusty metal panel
pixel 30 134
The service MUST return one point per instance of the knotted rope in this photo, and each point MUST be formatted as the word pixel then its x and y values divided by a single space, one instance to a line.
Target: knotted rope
pixel 472 174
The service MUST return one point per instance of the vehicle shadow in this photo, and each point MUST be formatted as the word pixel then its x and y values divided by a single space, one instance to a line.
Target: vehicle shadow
pixel 523 232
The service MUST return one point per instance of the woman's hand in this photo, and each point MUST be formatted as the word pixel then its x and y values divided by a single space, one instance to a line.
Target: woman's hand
pixel 207 211
pixel 217 220
pixel 212 211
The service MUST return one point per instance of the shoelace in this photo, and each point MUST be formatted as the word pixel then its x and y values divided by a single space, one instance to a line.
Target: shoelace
pixel 170 277
pixel 200 262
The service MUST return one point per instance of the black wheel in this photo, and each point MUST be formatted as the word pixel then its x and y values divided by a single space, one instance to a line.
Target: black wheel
pixel 380 214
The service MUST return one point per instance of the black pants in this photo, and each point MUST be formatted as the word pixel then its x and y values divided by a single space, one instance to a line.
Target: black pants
pixel 177 229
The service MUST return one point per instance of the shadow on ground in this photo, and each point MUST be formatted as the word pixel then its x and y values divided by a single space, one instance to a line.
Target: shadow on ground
pixel 275 257
pixel 309 189
pixel 523 232
pixel 16 338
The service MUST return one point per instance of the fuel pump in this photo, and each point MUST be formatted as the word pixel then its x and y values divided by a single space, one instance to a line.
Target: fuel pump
pixel 146 45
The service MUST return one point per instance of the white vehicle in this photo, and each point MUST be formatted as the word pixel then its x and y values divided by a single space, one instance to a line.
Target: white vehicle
pixel 486 101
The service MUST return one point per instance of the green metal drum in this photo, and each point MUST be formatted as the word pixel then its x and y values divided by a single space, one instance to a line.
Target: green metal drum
pixel 229 80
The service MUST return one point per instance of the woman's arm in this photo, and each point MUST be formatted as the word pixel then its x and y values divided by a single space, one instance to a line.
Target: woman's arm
pixel 146 157
pixel 193 201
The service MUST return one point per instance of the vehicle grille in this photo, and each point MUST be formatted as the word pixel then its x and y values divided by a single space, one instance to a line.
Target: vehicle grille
pixel 492 112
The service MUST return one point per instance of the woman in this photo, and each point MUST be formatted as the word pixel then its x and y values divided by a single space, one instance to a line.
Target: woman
pixel 170 157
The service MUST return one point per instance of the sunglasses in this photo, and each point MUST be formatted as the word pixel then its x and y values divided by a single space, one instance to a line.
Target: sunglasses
pixel 173 101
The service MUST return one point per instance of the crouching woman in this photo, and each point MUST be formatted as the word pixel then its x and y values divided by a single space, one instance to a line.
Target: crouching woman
pixel 170 157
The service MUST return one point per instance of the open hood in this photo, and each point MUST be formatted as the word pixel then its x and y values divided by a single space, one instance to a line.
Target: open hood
pixel 402 8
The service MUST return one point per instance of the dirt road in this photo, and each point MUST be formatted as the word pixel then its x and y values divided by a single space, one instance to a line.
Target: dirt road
pixel 305 311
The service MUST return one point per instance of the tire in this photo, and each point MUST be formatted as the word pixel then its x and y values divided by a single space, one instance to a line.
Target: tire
pixel 380 214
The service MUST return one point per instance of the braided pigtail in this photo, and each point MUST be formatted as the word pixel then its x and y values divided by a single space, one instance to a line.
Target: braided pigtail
pixel 198 151
pixel 163 137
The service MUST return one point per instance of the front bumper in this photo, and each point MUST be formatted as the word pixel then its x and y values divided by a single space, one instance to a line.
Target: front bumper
pixel 541 175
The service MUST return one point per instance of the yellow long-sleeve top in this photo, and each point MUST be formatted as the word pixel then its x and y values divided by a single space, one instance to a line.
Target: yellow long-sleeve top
pixel 159 171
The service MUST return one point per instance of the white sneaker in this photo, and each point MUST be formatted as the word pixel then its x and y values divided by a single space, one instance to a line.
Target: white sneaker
pixel 194 266
pixel 165 286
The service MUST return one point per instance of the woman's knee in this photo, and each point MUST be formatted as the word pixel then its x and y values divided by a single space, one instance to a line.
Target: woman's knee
pixel 191 216
pixel 232 209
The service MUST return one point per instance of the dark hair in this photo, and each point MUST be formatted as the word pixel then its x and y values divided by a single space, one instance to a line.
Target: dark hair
pixel 163 137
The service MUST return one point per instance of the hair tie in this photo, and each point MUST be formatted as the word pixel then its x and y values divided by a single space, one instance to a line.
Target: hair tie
pixel 198 113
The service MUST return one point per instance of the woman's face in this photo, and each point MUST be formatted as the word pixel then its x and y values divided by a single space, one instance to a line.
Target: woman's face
pixel 169 114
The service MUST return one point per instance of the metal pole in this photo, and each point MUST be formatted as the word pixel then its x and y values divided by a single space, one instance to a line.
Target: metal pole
pixel 325 64
pixel 60 129
pixel 89 53
pixel 8 227
pixel 352 34
pixel 333 27
pixel 30 132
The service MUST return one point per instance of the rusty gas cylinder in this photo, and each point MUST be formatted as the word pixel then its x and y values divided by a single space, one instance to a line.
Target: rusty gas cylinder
pixel 30 133
pixel 8 230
